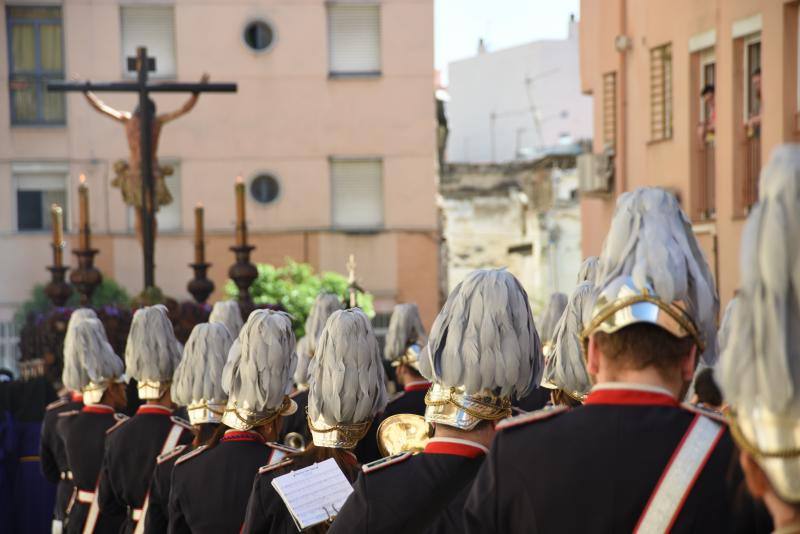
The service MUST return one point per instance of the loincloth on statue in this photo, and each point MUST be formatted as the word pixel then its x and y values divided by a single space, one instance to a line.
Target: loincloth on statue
pixel 130 183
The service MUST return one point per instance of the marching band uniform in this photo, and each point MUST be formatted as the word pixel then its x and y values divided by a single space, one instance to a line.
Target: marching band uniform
pixel 347 360
pixel 759 371
pixel 90 366
pixel 210 485
pixel 151 355
pixel 474 372
pixel 197 384
pixel 52 457
pixel 643 462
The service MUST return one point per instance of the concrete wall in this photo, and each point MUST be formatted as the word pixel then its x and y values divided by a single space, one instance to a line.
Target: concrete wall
pixel 288 118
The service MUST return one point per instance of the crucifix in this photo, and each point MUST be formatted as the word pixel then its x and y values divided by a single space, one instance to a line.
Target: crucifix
pixel 143 127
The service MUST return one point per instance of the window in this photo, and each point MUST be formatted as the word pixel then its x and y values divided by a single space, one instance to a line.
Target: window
pixel 609 110
pixel 354 39
pixel 661 92
pixel 9 346
pixel 35 47
pixel 708 75
pixel 152 27
pixel 357 191
pixel 39 186
pixel 753 83
pixel 168 217
pixel 259 35
pixel 264 188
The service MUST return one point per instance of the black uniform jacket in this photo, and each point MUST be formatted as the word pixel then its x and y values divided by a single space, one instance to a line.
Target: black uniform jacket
pixel 594 468
pixel 210 485
pixel 157 516
pixel 84 434
pixel 297 421
pixel 130 457
pixel 266 511
pixel 410 494
pixel 52 454
pixel 410 400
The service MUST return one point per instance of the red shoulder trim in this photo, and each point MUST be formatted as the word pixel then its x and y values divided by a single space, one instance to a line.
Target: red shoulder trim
pixel 530 417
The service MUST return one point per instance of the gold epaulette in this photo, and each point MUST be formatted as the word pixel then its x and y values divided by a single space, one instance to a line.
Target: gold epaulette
pixel 190 455
pixel 530 417
pixel 702 410
pixel 161 458
pixel 386 462
pixel 69 413
pixel 121 420
pixel 55 404
pixel 271 467
pixel 181 422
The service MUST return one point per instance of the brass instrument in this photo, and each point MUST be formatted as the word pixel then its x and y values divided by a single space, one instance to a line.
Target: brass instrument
pixel 295 440
pixel 402 433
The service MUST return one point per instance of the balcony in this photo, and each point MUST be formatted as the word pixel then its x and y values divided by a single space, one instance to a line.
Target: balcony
pixel 706 192
pixel 752 167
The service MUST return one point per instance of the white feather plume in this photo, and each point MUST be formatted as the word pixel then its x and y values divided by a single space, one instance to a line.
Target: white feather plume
pixel 199 374
pixel 77 316
pixel 760 364
pixel 405 328
pixel 258 373
pixel 152 353
pixel 551 315
pixel 347 385
pixel 92 358
pixel 651 240
pixel 485 338
pixel 589 269
pixel 227 312
pixel 324 305
pixel 302 371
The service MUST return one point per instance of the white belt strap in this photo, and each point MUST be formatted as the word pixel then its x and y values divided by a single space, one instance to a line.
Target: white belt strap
pixel 86 497
pixel 94 509
pixel 680 475
pixel 170 443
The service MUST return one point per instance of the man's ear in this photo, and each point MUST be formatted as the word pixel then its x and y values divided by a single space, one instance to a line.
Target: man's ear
pixel 592 356
pixel 689 364
pixel 757 482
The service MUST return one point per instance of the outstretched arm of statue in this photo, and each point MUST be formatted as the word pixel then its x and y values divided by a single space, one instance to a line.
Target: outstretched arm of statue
pixel 186 108
pixel 104 108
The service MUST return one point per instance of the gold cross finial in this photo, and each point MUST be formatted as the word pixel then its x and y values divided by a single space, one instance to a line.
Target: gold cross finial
pixel 351 268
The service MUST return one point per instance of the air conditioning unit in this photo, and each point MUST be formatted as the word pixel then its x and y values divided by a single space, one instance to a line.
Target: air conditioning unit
pixel 595 173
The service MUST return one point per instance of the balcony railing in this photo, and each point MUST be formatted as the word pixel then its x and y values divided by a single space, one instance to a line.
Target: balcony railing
pixel 752 167
pixel 707 201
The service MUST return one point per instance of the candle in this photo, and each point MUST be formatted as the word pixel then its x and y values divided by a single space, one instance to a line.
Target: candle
pixel 83 224
pixel 58 234
pixel 199 235
pixel 241 226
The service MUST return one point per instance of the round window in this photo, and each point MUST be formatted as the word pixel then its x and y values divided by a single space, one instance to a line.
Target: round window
pixel 259 35
pixel 264 188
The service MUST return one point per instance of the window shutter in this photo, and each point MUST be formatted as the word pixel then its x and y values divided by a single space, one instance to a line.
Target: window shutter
pixel 357 189
pixel 610 110
pixel 153 27
pixel 661 92
pixel 355 39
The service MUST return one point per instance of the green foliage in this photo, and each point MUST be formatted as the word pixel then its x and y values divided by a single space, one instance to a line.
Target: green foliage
pixel 108 293
pixel 294 286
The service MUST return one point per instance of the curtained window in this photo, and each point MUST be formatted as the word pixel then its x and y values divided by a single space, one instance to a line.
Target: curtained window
pixel 357 190
pixel 36 56
pixel 354 39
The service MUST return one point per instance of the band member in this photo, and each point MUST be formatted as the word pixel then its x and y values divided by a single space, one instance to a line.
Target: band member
pixel 403 341
pixel 151 355
pixel 483 349
pixel 227 312
pixel 759 370
pixel 197 384
pixel 91 367
pixel 210 485
pixel 347 391
pixel 645 462
pixel 295 426
pixel 53 459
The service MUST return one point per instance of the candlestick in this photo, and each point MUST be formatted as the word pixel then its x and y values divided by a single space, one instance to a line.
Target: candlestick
pixel 199 235
pixel 58 234
pixel 241 225
pixel 83 215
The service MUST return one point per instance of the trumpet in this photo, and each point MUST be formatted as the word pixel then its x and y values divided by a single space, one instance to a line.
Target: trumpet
pixel 402 433
pixel 295 440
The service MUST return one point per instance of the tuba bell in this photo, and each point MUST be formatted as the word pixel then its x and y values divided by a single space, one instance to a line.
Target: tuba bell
pixel 402 433
pixel 295 440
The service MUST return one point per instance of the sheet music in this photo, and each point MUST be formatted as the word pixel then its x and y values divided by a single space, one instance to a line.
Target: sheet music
pixel 315 493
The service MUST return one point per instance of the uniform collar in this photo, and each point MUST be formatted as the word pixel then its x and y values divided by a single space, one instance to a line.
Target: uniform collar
pixel 418 385
pixel 456 447
pixel 154 409
pixel 243 435
pixel 97 408
pixel 624 393
pixel 76 396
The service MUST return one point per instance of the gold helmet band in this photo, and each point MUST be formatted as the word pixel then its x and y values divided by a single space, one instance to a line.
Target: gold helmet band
pixel 453 407
pixel 410 357
pixel 152 390
pixel 202 411
pixel 339 436
pixel 245 419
